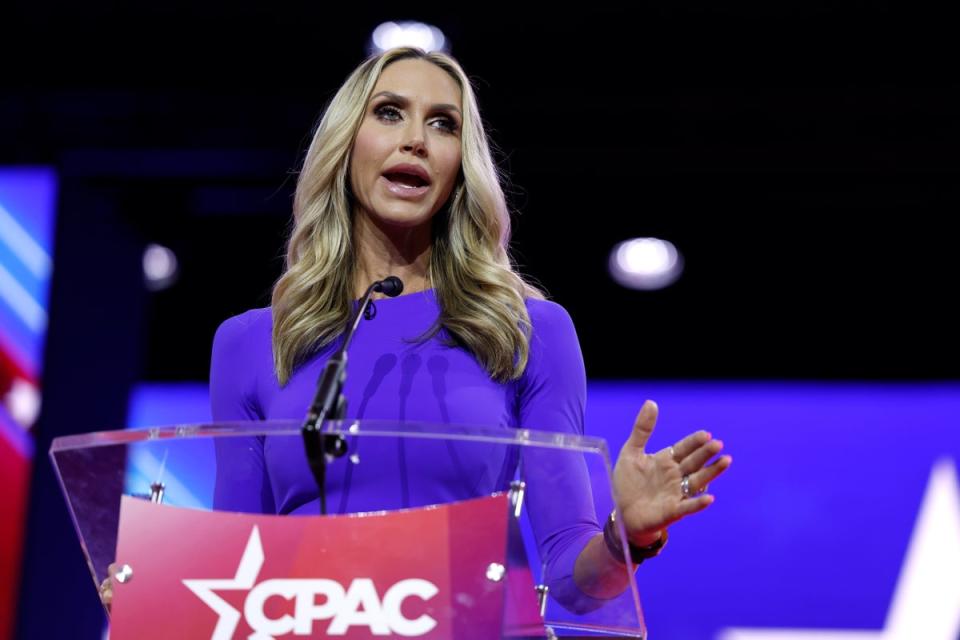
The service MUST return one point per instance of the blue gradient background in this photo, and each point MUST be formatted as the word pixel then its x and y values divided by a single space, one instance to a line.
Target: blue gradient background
pixel 811 523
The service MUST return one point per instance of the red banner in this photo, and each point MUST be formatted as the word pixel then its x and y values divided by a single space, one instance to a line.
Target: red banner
pixel 436 572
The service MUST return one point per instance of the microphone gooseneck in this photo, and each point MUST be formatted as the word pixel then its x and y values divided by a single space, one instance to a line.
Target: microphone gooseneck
pixel 329 403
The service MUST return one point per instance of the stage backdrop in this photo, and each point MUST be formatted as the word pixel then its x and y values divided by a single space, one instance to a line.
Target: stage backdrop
pixel 840 517
pixel 27 215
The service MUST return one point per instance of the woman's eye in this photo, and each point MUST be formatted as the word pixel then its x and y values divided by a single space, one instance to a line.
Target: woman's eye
pixel 390 113
pixel 447 124
pixel 386 112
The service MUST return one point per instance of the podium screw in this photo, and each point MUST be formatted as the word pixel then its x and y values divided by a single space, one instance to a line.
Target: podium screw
pixel 495 572
pixel 124 574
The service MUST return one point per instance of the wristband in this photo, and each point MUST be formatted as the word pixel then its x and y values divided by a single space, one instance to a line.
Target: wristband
pixel 611 538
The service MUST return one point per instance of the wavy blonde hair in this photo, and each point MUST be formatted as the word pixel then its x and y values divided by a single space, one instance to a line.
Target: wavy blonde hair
pixel 481 296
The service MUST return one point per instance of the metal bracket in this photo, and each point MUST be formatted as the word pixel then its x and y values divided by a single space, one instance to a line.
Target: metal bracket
pixel 517 489
pixel 156 492
pixel 542 591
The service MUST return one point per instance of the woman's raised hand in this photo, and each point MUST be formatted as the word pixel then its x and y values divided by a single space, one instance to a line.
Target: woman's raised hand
pixel 654 490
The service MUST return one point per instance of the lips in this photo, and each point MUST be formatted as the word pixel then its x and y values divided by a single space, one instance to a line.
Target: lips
pixel 410 175
pixel 405 191
pixel 405 179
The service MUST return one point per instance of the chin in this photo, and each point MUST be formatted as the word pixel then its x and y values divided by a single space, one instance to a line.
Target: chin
pixel 404 223
pixel 402 219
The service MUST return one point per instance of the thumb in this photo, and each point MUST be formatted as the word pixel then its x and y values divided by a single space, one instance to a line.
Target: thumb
pixel 643 426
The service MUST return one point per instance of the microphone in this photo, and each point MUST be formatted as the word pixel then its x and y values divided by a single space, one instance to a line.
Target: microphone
pixel 329 403
pixel 391 286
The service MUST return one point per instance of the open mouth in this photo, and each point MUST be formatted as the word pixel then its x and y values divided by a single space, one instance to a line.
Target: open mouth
pixel 406 180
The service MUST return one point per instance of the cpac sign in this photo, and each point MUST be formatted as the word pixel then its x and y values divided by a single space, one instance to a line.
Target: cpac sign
pixel 357 606
pixel 417 573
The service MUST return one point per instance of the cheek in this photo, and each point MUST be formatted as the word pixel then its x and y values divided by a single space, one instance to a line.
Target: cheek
pixel 451 163
pixel 364 156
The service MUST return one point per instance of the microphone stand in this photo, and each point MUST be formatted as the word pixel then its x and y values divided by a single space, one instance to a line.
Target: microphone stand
pixel 329 403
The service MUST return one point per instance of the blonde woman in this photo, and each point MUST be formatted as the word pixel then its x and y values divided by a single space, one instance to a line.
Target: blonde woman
pixel 399 180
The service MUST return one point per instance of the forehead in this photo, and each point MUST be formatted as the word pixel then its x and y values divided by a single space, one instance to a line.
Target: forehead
pixel 419 79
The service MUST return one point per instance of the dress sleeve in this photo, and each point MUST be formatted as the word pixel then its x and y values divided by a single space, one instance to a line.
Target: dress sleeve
pixel 242 483
pixel 552 397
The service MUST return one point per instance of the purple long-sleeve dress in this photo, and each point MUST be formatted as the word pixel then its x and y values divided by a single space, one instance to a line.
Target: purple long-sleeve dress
pixel 392 377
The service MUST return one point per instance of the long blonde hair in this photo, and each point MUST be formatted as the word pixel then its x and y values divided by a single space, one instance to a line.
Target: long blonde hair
pixel 481 296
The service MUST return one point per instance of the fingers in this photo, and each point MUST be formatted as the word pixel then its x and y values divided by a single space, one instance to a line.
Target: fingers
pixel 643 426
pixel 106 592
pixel 106 587
pixel 695 461
pixel 690 444
pixel 700 479
pixel 693 505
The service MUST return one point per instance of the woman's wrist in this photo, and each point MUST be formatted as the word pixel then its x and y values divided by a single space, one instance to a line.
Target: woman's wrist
pixel 647 540
pixel 640 548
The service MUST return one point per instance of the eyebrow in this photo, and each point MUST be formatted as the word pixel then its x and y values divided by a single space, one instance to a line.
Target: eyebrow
pixel 405 101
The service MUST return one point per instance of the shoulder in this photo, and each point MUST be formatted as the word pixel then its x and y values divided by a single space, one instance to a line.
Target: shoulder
pixel 240 355
pixel 552 391
pixel 237 329
pixel 243 339
pixel 549 321
pixel 241 344
pixel 554 346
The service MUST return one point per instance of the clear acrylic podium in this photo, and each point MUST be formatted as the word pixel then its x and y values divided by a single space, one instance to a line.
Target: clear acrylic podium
pixel 518 496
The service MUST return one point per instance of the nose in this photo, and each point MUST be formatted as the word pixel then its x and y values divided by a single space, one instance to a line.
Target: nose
pixel 416 146
pixel 415 142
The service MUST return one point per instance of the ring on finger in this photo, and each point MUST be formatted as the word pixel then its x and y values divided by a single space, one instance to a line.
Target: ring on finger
pixel 685 487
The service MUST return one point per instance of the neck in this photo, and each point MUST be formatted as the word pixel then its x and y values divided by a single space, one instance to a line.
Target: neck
pixel 391 251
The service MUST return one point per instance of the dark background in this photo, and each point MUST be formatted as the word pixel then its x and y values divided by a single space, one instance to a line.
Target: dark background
pixel 802 156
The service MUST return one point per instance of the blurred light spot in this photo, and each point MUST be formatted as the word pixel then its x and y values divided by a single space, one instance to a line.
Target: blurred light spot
pixel 645 263
pixel 407 34
pixel 23 402
pixel 159 267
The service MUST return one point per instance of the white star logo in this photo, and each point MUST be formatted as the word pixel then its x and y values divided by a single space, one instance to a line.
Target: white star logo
pixel 247 572
pixel 926 603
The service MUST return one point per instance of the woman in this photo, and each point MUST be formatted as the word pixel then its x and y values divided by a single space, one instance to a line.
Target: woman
pixel 399 180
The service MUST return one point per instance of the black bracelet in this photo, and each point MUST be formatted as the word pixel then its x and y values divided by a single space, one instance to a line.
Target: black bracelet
pixel 611 538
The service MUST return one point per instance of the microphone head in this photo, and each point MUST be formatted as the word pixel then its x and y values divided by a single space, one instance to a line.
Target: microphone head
pixel 391 286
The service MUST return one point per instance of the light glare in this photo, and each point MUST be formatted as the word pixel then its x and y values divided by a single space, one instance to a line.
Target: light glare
pixel 390 35
pixel 645 263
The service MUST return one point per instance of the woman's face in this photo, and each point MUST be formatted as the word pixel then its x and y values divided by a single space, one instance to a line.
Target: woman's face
pixel 412 125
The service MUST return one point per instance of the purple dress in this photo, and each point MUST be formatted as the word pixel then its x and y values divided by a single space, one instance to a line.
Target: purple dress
pixel 391 376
